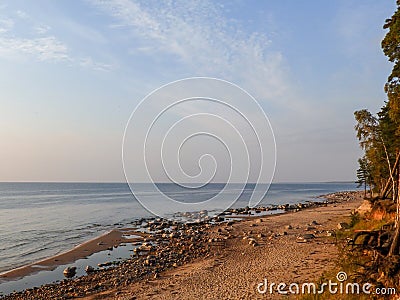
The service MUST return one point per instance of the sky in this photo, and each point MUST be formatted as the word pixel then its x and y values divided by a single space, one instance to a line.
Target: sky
pixel 72 72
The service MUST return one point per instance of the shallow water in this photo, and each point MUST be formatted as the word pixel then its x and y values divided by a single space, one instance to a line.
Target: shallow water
pixel 56 275
pixel 38 220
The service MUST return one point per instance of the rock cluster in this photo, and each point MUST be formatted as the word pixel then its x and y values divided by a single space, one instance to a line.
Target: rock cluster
pixel 176 245
pixel 168 244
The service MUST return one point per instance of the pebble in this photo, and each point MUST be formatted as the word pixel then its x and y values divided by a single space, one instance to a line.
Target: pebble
pixel 172 244
pixel 308 236
pixel 343 225
pixel 69 272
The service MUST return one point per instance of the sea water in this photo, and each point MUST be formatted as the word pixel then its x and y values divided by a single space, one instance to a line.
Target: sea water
pixel 39 220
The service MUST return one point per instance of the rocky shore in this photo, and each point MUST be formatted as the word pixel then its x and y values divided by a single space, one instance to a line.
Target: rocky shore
pixel 224 256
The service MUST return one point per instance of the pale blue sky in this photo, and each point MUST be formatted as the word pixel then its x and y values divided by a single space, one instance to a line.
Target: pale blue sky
pixel 71 72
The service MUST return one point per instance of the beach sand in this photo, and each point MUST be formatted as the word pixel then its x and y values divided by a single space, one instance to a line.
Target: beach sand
pixel 226 261
pixel 103 242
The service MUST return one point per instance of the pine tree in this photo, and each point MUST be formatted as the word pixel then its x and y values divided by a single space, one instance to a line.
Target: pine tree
pixel 364 174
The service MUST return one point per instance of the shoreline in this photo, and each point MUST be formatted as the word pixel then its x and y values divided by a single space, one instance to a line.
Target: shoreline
pixel 108 240
pixel 206 243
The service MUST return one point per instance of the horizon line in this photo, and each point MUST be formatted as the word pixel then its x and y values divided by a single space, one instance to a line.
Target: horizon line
pixel 160 182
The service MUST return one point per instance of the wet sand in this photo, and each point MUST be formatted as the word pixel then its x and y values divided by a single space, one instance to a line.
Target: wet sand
pixel 223 261
pixel 108 240
pixel 235 268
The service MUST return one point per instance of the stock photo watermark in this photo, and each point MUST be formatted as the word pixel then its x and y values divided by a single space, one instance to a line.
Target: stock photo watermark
pixel 339 286
pixel 193 132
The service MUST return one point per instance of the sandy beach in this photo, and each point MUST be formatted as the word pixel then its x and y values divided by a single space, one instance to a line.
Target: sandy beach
pixel 227 260
pixel 103 242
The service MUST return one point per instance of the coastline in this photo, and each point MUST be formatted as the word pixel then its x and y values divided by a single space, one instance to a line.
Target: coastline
pixel 199 245
pixel 111 239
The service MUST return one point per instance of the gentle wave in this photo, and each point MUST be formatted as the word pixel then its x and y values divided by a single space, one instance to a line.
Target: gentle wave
pixel 39 220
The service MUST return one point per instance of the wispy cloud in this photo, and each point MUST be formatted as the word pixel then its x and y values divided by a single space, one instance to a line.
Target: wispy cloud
pixel 199 36
pixel 90 63
pixel 21 14
pixel 38 41
pixel 5 25
pixel 42 47
pixel 46 48
pixel 42 29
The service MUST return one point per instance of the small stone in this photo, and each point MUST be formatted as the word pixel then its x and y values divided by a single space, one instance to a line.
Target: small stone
pixel 308 236
pixel 253 242
pixel 69 272
pixel 89 269
pixel 330 233
pixel 343 226
pixel 301 240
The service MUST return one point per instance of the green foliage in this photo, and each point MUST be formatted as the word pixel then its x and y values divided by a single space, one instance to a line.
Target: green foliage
pixel 375 134
pixel 379 135
pixel 391 48
pixel 364 173
pixel 355 219
pixel 387 129
pixel 366 127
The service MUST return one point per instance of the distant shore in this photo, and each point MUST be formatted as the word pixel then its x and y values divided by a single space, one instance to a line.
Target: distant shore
pixel 201 260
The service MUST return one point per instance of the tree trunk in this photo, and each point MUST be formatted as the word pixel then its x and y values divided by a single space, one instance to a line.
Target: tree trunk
pixel 370 190
pixel 394 248
pixel 389 182
pixel 365 189
pixel 398 198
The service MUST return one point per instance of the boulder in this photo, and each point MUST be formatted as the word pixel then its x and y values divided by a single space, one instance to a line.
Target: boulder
pixel 69 272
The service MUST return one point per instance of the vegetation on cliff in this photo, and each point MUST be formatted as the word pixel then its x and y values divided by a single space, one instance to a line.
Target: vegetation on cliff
pixel 378 249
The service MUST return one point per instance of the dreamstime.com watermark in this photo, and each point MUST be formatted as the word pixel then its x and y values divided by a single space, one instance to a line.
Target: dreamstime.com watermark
pixel 333 287
pixel 194 132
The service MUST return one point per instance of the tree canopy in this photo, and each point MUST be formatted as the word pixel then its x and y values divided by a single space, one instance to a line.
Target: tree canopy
pixel 379 134
pixel 391 48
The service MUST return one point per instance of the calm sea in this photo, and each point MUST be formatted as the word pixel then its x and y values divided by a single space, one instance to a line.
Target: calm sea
pixel 38 220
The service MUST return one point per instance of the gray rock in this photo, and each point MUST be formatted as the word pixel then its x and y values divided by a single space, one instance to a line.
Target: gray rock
pixel 308 228
pixel 69 272
pixel 308 236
